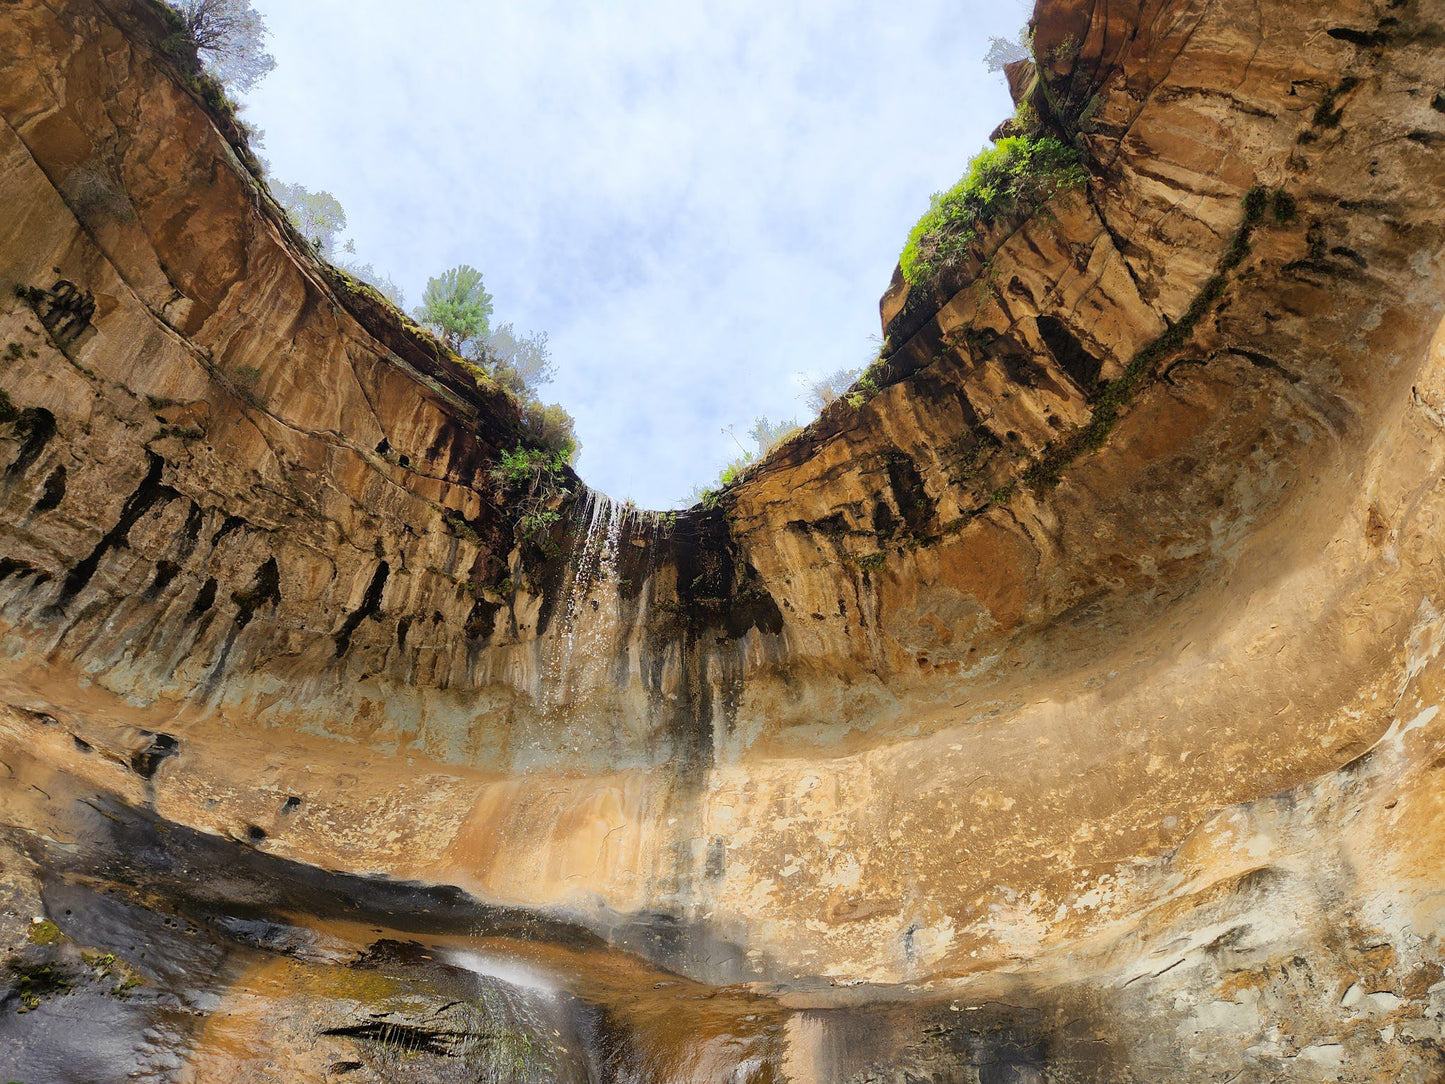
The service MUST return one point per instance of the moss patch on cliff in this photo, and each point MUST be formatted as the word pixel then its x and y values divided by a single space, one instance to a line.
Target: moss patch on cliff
pixel 43 932
pixel 1019 173
pixel 1045 471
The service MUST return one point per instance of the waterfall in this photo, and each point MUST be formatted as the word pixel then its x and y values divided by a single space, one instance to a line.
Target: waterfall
pixel 526 1029
pixel 584 641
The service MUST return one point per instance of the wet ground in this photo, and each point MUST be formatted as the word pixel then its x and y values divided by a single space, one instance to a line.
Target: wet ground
pixel 164 954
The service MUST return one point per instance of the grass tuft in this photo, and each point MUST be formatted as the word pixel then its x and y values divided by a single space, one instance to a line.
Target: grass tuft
pixel 1018 173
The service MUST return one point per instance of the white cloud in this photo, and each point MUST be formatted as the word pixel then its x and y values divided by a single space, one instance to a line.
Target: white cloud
pixel 697 201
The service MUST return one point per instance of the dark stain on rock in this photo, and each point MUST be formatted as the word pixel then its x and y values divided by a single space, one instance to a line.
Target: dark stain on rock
pixel 65 310
pixel 146 761
pixel 11 566
pixel 1069 352
pixel 456 448
pixel 715 864
pixel 912 499
pixel 150 493
pixel 1365 39
pixel 53 491
pixel 34 426
pixel 191 529
pixel 1263 361
pixel 204 600
pixel 884 521
pixel 265 588
pixel 752 606
pixel 1350 254
pixel 481 618
pixel 165 573
pixel 229 524
pixel 370 607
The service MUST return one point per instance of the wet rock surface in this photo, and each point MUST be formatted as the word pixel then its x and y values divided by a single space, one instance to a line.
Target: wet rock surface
pixel 1062 706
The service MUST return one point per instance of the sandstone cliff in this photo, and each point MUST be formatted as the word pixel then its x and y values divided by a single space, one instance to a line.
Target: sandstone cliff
pixel 1065 710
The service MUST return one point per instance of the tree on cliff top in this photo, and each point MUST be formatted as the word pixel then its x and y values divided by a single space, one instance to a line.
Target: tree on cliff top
pixel 457 307
pixel 1003 51
pixel 318 215
pixel 228 36
pixel 523 363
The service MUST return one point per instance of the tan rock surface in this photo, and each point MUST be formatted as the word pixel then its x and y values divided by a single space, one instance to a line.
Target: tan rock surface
pixel 975 759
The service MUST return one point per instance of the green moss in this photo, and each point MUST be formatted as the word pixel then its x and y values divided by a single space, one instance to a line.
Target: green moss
pixel 1066 52
pixel 43 932
pixel 479 375
pixel 460 527
pixel 864 389
pixel 171 15
pixel 107 965
pixel 1085 120
pixel 180 45
pixel 1019 173
pixel 968 453
pixel 870 562
pixel 35 982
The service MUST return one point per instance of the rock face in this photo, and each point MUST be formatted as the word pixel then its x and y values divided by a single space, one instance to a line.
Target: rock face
pixel 1064 709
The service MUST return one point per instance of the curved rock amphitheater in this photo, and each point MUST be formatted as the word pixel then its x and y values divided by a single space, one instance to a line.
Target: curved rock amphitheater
pixel 1067 710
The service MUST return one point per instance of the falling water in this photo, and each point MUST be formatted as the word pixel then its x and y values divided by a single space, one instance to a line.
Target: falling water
pixel 581 647
pixel 524 1027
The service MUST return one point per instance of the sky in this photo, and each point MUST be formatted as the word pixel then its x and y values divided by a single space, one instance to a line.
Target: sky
pixel 700 201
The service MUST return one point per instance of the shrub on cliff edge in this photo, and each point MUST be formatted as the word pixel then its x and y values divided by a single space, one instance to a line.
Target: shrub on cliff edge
pixel 1018 173
pixel 229 39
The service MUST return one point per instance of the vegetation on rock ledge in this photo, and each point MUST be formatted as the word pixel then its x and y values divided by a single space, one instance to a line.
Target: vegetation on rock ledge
pixel 1019 173
pixel 533 479
pixel 1113 397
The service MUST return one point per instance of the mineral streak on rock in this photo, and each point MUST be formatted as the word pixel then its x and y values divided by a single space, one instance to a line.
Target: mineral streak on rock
pixel 1067 709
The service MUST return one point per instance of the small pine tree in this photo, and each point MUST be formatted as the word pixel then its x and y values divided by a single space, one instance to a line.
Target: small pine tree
pixel 457 307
